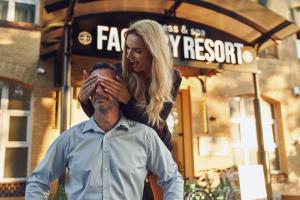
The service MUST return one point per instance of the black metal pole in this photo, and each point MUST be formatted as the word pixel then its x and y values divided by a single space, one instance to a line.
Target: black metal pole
pixel 260 138
pixel 66 87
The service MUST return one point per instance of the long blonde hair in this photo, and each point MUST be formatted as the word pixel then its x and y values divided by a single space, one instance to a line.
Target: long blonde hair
pixel 161 84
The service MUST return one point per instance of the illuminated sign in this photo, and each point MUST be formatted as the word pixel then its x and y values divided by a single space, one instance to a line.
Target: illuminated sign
pixel 101 36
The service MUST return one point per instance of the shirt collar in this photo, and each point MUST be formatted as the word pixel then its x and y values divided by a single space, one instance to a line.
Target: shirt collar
pixel 123 124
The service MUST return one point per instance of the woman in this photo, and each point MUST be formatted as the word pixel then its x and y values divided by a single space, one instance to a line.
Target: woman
pixel 149 83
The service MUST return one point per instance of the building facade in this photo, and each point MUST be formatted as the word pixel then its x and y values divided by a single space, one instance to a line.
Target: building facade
pixel 213 120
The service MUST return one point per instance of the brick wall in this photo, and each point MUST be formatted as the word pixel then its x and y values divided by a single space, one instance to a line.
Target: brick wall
pixel 19 55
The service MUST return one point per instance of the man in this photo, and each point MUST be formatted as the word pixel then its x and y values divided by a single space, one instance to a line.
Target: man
pixel 106 157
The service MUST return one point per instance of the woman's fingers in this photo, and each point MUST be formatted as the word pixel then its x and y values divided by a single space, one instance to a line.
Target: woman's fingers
pixel 90 81
pixel 89 90
pixel 111 82
pixel 87 86
pixel 114 89
pixel 110 86
pixel 112 93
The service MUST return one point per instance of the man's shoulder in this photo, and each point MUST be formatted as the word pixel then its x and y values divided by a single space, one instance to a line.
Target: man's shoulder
pixel 75 129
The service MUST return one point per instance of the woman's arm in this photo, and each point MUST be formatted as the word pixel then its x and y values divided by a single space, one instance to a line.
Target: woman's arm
pixel 87 107
pixel 132 111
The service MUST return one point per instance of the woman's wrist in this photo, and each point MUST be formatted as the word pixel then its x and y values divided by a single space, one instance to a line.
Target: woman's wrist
pixel 82 102
pixel 126 100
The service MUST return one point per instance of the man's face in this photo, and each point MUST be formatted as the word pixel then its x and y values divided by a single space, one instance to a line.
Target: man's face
pixel 101 101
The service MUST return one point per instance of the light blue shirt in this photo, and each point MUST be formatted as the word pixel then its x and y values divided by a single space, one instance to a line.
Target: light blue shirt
pixel 110 165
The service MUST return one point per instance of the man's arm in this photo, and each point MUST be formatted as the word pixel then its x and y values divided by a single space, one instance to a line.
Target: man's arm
pixel 51 167
pixel 161 163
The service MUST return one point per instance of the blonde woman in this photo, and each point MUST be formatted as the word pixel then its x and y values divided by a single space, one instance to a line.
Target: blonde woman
pixel 149 82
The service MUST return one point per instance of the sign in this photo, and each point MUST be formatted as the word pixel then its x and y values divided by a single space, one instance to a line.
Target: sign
pixel 101 35
pixel 252 182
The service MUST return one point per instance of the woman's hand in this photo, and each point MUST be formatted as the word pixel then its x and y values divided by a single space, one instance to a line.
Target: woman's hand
pixel 87 87
pixel 116 88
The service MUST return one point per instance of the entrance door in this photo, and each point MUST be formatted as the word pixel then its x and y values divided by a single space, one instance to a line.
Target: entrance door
pixel 180 125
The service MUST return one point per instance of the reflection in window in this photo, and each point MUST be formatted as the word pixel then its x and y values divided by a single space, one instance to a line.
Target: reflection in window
pixel 24 12
pixel 235 107
pixel 174 119
pixel 298 43
pixel 1 86
pixel 18 10
pixel 269 53
pixel 19 97
pixel 17 128
pixel 15 162
pixel 243 131
pixel 3 9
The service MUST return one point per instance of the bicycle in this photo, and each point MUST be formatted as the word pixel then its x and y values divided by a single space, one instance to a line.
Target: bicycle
pixel 203 189
pixel 195 192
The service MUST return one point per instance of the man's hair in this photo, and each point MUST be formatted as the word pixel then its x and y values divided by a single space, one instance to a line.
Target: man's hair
pixel 100 65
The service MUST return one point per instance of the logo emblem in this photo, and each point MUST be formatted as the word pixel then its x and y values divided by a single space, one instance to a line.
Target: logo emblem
pixel 247 56
pixel 85 38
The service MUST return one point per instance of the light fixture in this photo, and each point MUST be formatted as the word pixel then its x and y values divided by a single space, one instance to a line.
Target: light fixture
pixel 40 69
pixel 295 91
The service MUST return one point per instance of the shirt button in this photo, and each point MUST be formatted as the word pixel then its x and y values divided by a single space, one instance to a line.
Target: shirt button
pixel 105 168
pixel 105 150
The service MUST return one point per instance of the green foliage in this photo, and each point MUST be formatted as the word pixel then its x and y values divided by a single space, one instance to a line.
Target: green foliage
pixel 59 195
pixel 190 185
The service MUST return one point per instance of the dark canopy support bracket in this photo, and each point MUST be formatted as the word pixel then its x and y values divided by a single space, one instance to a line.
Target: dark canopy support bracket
pixel 265 37
pixel 54 5
pixel 172 10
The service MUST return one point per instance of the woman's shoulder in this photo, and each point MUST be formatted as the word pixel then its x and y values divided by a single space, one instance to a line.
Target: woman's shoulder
pixel 176 74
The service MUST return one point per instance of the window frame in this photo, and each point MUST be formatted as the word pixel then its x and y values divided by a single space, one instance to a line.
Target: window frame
pixel 5 114
pixel 278 129
pixel 11 8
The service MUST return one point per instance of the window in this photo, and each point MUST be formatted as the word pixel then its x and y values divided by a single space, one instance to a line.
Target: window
pixel 243 132
pixel 269 53
pixel 15 131
pixel 19 10
pixel 298 45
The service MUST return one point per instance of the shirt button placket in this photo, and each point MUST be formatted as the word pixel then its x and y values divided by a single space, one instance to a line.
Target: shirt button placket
pixel 106 167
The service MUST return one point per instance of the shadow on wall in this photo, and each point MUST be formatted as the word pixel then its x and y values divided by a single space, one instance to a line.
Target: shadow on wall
pixel 293 159
pixel 263 2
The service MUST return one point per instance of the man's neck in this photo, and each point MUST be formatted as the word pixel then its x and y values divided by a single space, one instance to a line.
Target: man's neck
pixel 106 121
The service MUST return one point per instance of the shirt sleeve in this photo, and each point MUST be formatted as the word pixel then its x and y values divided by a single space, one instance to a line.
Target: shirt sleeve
pixel 162 164
pixel 50 168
